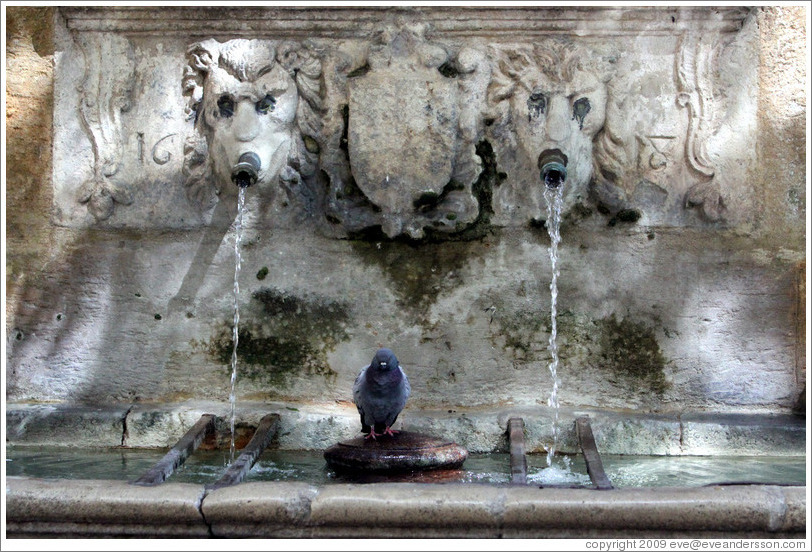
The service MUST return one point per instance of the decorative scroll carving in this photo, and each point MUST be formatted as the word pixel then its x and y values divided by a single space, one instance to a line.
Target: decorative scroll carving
pixel 413 120
pixel 104 96
pixel 694 58
pixel 630 157
pixel 551 95
pixel 250 95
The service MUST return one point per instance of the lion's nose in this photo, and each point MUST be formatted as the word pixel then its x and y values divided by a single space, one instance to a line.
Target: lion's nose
pixel 245 122
pixel 558 119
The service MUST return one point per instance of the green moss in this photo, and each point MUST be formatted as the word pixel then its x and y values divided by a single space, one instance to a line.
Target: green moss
pixel 448 70
pixel 625 215
pixel 359 72
pixel 627 350
pixel 310 144
pixel 426 200
pixel 521 332
pixel 418 273
pixel 578 213
pixel 262 273
pixel 482 189
pixel 630 349
pixel 282 335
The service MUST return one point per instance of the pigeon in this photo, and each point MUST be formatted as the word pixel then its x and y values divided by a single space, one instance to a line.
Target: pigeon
pixel 380 392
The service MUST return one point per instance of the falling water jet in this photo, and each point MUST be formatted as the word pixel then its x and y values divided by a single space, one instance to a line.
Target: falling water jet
pixel 236 334
pixel 553 167
pixel 244 174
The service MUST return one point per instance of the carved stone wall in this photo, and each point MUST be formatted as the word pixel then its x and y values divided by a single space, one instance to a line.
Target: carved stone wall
pixel 384 119
pixel 399 204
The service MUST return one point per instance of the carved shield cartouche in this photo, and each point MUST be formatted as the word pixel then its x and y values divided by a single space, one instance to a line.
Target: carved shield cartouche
pixel 402 133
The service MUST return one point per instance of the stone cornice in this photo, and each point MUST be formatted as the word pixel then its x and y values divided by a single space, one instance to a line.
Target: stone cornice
pixel 350 22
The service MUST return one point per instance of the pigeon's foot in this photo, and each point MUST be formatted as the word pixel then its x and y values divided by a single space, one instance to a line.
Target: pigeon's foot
pixel 372 435
pixel 389 431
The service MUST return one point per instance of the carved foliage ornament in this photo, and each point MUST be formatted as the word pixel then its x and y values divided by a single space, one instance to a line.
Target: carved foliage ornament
pixel 695 57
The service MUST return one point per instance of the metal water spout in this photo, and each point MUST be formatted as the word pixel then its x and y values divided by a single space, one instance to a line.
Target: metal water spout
pixel 553 167
pixel 246 171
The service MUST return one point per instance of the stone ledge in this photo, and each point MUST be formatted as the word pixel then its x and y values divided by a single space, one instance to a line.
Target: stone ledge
pixel 318 426
pixel 795 513
pixel 336 22
pixel 253 509
pixel 114 509
pixel 44 424
pixel 386 505
pixel 668 509
pixel 101 507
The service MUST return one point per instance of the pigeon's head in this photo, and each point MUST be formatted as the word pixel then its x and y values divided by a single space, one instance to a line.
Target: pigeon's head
pixel 385 359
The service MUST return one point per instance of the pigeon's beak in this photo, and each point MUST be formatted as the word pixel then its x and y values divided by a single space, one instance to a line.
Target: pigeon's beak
pixel 383 364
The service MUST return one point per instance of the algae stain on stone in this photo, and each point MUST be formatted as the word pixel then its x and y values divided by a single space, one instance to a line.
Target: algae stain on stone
pixel 627 349
pixel 521 337
pixel 418 273
pixel 631 349
pixel 282 336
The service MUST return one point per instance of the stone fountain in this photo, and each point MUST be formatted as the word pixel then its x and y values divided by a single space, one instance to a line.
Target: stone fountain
pixel 397 200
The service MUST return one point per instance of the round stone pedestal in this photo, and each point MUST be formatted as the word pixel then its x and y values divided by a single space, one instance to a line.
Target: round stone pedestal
pixel 403 452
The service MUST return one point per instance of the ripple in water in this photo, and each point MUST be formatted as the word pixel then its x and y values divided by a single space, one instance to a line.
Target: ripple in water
pixel 559 472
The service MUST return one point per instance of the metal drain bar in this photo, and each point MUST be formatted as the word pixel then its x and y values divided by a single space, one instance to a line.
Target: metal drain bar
pixel 178 454
pixel 518 456
pixel 594 466
pixel 236 472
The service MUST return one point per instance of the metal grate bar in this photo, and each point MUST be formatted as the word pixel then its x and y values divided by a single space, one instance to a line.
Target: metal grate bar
pixel 178 454
pixel 594 466
pixel 237 471
pixel 518 458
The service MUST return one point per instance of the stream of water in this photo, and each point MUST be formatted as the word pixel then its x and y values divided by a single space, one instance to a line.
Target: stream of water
pixel 235 336
pixel 554 198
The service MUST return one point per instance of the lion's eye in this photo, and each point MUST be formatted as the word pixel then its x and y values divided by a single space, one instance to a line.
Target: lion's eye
pixel 536 105
pixel 579 110
pixel 225 104
pixel 266 104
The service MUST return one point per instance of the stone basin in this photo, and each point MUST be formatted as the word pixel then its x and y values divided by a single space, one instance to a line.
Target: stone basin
pixel 403 452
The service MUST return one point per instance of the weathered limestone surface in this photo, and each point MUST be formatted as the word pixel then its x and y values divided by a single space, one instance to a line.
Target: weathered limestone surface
pixel 680 261
pixel 86 507
pixel 38 508
pixel 320 426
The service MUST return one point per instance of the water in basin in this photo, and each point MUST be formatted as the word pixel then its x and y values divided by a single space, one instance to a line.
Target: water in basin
pixel 205 467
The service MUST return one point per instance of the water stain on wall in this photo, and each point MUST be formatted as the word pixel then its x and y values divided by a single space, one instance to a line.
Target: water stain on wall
pixel 281 335
pixel 627 351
